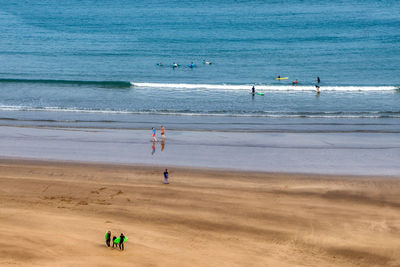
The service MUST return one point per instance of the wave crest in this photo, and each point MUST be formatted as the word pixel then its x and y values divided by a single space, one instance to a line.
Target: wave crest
pixel 262 87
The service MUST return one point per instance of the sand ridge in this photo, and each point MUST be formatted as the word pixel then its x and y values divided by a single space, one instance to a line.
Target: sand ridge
pixel 56 214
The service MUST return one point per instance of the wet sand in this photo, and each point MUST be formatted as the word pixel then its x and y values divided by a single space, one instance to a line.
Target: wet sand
pixel 355 153
pixel 56 214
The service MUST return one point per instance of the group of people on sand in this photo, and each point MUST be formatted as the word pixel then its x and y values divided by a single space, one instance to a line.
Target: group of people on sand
pixel 116 242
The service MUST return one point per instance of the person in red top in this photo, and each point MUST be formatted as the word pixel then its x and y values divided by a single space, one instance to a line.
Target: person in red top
pixel 163 132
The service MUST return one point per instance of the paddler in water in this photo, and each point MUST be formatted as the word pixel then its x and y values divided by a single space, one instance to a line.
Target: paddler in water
pixel 295 82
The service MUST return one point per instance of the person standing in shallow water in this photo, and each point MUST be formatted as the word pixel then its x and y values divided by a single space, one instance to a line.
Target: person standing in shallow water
pixel 318 80
pixel 253 90
pixel 317 89
pixel 154 134
pixel 162 132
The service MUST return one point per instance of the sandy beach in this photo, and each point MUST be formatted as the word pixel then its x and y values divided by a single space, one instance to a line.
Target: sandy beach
pixel 56 214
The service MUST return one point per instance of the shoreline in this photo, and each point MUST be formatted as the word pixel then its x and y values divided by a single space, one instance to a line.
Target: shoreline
pixel 355 153
pixel 202 218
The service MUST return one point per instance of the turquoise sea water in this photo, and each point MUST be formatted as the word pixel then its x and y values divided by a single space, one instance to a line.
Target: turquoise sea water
pixel 60 60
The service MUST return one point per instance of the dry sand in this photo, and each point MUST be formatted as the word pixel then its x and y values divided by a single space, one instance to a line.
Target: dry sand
pixel 56 214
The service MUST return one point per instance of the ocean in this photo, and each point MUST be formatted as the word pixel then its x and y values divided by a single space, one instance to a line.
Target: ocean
pixel 94 63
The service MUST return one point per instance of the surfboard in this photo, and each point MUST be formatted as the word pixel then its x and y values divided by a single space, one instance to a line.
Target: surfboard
pixel 282 78
pixel 116 241
pixel 260 93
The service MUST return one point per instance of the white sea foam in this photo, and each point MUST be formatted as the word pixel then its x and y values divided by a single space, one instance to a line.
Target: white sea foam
pixel 262 87
pixel 266 114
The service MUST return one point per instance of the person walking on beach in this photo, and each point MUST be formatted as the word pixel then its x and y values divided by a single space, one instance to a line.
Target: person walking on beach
pixel 166 176
pixel 114 237
pixel 121 241
pixel 318 80
pixel 154 134
pixel 108 238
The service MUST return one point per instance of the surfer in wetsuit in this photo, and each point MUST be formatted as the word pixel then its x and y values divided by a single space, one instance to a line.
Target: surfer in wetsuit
pixel 318 80
pixel 253 90
pixel 121 241
pixel 108 238
pixel 114 237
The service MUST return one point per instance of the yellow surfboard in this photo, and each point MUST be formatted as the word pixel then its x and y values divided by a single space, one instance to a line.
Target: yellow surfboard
pixel 282 78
